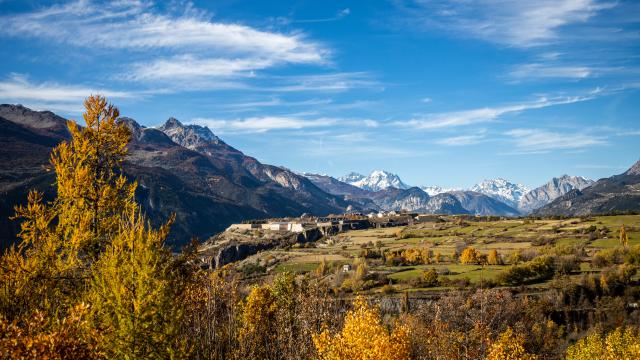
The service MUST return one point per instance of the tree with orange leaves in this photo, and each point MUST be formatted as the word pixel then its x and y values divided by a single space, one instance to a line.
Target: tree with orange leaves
pixel 363 337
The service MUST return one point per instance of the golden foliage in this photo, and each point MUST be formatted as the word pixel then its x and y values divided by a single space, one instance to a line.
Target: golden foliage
pixel 509 346
pixel 258 323
pixel 363 337
pixel 624 238
pixel 469 256
pixel 621 344
pixel 40 338
pixel 91 244
pixel 493 258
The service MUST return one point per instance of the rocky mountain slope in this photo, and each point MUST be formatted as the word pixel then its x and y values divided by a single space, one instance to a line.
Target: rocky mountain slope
pixel 414 199
pixel 377 180
pixel 550 191
pixel 335 186
pixel 618 193
pixel 181 169
pixel 502 190
pixel 481 204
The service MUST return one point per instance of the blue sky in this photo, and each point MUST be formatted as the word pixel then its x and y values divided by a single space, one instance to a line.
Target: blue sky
pixel 440 92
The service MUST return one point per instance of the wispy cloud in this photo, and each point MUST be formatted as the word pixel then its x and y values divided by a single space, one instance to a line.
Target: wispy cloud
pixel 542 141
pixel 340 15
pixel 462 140
pixel 269 123
pixel 513 23
pixel 331 82
pixel 550 71
pixel 190 44
pixel 51 95
pixel 487 114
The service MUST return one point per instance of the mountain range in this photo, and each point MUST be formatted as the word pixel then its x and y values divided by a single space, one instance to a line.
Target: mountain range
pixel 181 169
pixel 489 197
pixel 188 170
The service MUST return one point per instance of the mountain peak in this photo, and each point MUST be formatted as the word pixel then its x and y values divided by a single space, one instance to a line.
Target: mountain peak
pixel 555 188
pixel 634 169
pixel 377 180
pixel 190 136
pixel 351 177
pixel 172 122
pixel 501 189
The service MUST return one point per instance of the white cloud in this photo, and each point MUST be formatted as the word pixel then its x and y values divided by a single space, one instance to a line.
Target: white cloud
pixel 486 114
pixel 513 23
pixel 550 71
pixel 212 48
pixel 51 95
pixel 340 15
pixel 541 141
pixel 188 67
pixel 461 140
pixel 269 123
pixel 332 82
pixel 426 100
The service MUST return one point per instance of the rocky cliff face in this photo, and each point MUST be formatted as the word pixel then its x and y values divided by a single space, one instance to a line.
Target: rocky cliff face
pixel 550 191
pixel 619 193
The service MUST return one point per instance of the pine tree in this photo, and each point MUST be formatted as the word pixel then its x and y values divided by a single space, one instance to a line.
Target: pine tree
pixel 133 293
pixel 91 244
pixel 61 240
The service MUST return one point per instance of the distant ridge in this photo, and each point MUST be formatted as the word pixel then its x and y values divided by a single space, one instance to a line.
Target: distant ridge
pixel 618 193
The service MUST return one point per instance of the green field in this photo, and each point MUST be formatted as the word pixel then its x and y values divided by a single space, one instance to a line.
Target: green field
pixel 509 237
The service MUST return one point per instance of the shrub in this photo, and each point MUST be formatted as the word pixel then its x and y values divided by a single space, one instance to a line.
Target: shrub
pixel 430 278
pixel 538 269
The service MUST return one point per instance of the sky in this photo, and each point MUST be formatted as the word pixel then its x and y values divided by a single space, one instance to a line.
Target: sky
pixel 441 93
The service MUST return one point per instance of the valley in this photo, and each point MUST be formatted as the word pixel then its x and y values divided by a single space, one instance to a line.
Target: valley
pixel 400 258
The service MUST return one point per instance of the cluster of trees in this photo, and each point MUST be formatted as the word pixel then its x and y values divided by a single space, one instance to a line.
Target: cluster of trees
pixel 92 279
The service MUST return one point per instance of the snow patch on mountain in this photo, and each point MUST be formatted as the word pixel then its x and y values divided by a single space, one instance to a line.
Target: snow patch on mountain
pixel 376 181
pixel 502 190
pixel 435 190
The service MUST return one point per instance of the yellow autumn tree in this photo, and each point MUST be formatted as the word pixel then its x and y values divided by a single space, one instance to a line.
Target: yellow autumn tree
pixel 134 293
pixel 621 344
pixel 493 258
pixel 509 346
pixel 92 245
pixel 624 238
pixel 60 240
pixel 363 337
pixel 257 335
pixel 469 256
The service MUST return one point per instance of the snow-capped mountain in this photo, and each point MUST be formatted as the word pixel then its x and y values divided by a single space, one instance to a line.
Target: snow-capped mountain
pixel 502 190
pixel 548 192
pixel 351 177
pixel 435 190
pixel 377 180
